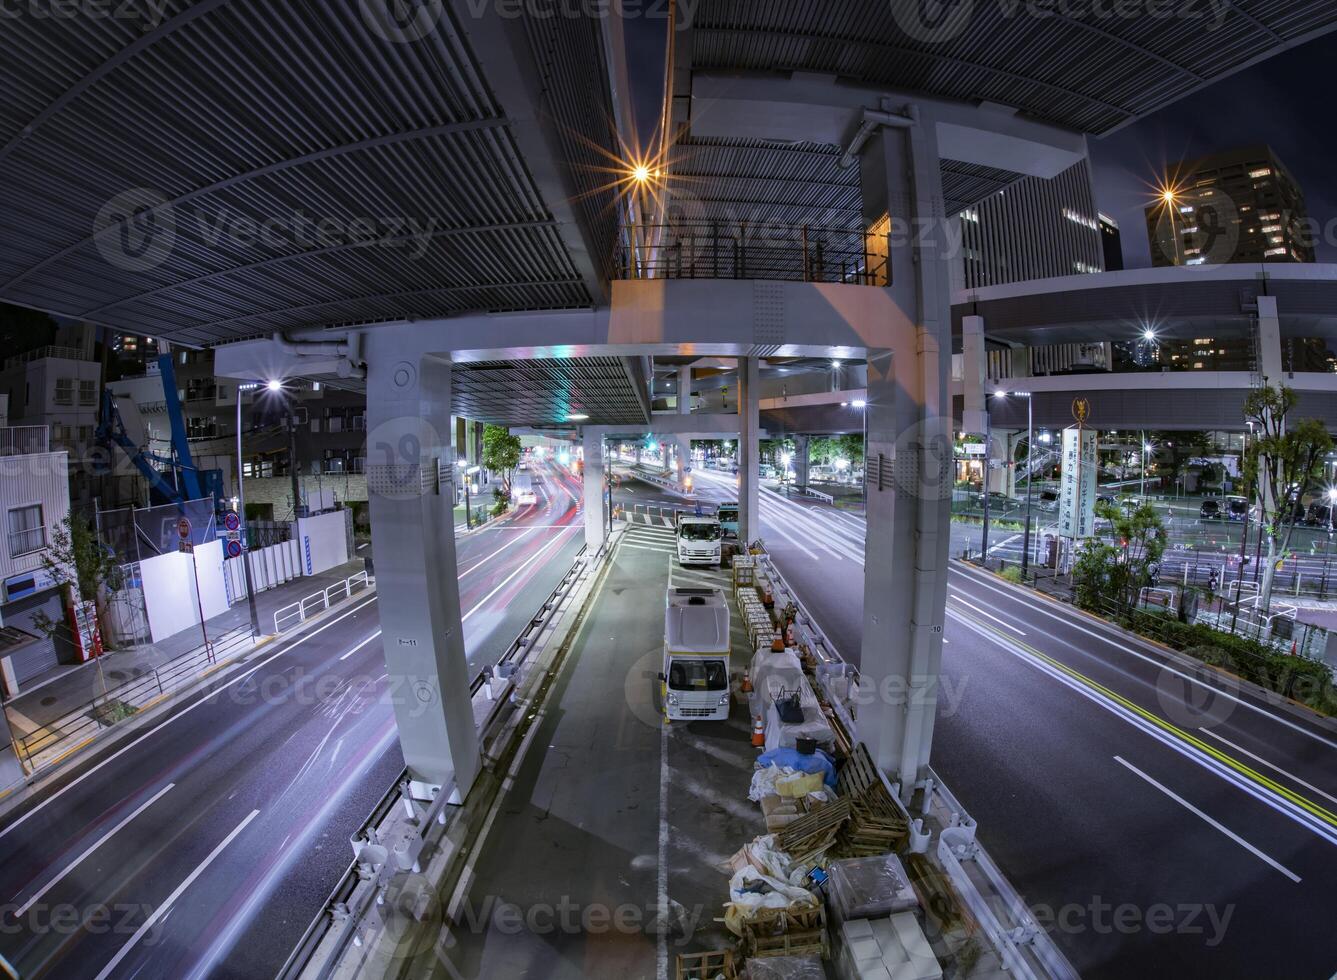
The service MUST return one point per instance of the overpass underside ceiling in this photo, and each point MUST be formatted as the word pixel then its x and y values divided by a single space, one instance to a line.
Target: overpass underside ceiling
pixel 735 181
pixel 610 390
pixel 240 168
pixel 1084 73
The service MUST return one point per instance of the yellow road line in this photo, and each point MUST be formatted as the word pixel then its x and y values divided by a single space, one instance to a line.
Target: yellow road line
pixel 1301 801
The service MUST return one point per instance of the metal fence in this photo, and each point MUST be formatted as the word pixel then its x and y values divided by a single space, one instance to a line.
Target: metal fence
pixel 757 250
pixel 317 602
pixel 136 533
pixel 22 440
pixel 50 741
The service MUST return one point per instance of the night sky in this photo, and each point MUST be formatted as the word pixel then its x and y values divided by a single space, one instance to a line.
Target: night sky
pixel 1284 101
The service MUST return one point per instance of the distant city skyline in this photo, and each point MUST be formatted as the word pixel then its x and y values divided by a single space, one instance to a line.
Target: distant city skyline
pixel 1278 102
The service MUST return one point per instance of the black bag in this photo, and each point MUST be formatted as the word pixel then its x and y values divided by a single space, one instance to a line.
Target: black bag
pixel 789 708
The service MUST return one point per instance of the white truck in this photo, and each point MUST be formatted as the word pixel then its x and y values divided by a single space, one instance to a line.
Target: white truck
pixel 699 540
pixel 696 655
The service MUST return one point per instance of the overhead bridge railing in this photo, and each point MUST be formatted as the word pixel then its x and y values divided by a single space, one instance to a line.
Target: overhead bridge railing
pixel 757 250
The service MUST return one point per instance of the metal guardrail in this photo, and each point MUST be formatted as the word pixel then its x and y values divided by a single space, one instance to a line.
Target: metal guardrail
pixel 317 602
pixel 101 712
pixel 345 908
pixel 758 250
pixel 956 842
pixel 825 498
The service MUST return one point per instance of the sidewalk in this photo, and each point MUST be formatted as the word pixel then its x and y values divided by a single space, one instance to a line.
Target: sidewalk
pixel 68 688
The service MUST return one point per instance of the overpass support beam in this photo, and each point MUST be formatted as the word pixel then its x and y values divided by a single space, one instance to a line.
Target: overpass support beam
pixel 908 462
pixel 1269 340
pixel 596 518
pixel 749 450
pixel 975 368
pixel 410 481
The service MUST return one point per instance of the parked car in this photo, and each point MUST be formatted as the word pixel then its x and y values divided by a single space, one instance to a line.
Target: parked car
pixel 1237 508
pixel 1048 500
pixel 1210 510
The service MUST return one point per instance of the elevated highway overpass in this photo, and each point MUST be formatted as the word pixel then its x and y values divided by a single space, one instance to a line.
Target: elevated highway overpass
pixel 466 174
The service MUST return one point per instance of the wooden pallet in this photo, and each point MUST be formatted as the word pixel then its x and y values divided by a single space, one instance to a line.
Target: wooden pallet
pixel 876 825
pixel 786 932
pixel 707 966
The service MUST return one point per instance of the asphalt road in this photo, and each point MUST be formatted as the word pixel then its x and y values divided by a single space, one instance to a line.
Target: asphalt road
pixel 204 844
pixel 1103 774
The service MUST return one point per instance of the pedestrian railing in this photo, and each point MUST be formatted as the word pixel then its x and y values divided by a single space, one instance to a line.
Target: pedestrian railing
pixel 52 740
pixel 317 602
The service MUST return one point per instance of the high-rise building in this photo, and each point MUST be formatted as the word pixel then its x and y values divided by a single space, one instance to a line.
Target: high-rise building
pixel 1241 205
pixel 1033 229
pixel 1111 241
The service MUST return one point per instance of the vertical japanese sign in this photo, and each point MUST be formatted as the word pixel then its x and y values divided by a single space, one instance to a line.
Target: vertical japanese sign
pixel 1077 491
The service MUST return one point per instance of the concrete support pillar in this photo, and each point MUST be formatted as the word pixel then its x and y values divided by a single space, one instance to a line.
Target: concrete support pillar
pixel 410 473
pixel 1003 476
pixel 975 369
pixel 1269 340
pixel 801 460
pixel 596 517
pixel 684 389
pixel 749 451
pixel 909 463
pixel 682 447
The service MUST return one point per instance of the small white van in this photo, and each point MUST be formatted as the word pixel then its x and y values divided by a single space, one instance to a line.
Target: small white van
pixel 696 655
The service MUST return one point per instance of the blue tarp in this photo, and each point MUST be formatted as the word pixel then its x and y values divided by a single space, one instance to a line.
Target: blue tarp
pixel 819 761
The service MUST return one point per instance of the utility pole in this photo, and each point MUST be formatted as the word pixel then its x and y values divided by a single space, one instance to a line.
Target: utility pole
pixel 245 534
pixel 1030 482
pixel 298 510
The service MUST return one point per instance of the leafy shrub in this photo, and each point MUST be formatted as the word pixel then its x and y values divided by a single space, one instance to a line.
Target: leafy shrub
pixel 1012 574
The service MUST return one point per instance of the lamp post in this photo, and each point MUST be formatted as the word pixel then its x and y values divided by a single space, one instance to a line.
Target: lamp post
pixel 245 535
pixel 1030 481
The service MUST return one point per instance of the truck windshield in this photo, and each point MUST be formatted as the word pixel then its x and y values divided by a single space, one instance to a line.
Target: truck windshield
pixel 701 532
pixel 698 675
pixel 729 514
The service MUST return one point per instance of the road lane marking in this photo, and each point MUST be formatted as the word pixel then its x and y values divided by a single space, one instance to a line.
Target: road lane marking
pixel 661 868
pixel 1035 606
pixel 971 605
pixel 522 529
pixel 181 714
pixel 1289 775
pixel 166 906
pixel 18 914
pixel 360 645
pixel 1211 820
pixel 1280 798
pixel 556 540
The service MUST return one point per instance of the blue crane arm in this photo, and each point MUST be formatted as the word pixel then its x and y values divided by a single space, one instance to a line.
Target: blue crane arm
pixel 111 428
pixel 190 477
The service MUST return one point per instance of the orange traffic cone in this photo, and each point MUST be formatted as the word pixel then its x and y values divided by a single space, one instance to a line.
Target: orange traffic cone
pixel 758 732
pixel 746 685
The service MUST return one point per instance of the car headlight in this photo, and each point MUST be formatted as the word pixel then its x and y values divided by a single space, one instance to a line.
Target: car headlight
pixel 724 699
pixel 671 698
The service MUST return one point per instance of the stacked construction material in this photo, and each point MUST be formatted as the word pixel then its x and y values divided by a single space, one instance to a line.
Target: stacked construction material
pixel 809 837
pixel 877 825
pixel 786 932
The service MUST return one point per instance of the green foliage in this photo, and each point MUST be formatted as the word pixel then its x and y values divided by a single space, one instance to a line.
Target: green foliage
pixel 1116 572
pixel 1303 680
pixel 114 710
pixel 78 558
pixel 1012 574
pixel 501 451
pixel 828 449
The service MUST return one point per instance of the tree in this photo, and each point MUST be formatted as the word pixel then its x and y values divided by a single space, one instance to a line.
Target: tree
pixel 1121 570
pixel 1283 462
pixel 501 452
pixel 77 558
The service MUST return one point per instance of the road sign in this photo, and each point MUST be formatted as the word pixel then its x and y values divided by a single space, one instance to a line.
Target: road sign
pixel 183 528
pixel 233 548
pixel 231 521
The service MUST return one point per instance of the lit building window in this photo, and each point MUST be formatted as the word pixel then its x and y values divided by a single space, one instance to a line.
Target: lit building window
pixel 1275 251
pixel 1261 172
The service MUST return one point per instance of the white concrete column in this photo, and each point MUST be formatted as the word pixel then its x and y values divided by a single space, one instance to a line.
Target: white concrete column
pixel 749 451
pixel 685 389
pixel 801 449
pixel 410 473
pixel 909 463
pixel 682 446
pixel 975 367
pixel 1269 340
pixel 596 516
